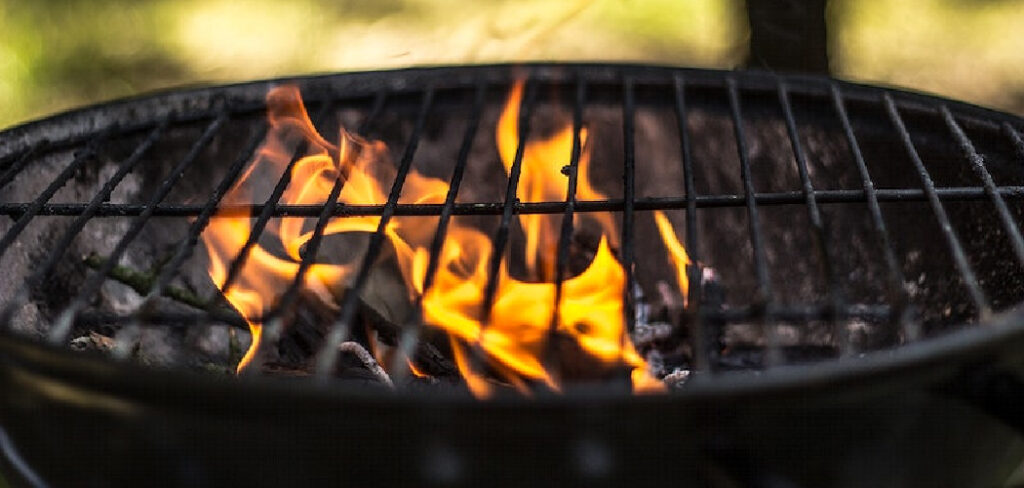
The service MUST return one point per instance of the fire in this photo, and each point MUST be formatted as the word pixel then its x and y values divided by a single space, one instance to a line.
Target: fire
pixel 676 252
pixel 525 339
pixel 542 179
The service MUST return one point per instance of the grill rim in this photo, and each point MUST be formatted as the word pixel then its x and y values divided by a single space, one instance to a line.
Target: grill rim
pixel 203 103
pixel 204 99
pixel 929 361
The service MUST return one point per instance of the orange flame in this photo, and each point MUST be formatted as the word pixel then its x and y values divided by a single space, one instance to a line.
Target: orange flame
pixel 676 252
pixel 514 342
pixel 543 179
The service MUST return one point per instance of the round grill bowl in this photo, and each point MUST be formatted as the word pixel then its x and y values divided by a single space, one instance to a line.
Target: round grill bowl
pixel 927 404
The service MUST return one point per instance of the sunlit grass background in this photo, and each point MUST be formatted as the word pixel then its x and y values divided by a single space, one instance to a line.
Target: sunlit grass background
pixel 56 55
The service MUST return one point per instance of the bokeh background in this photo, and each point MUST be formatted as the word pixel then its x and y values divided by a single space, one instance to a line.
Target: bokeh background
pixel 56 55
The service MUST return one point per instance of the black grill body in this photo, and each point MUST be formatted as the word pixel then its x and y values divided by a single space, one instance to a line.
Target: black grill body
pixel 878 226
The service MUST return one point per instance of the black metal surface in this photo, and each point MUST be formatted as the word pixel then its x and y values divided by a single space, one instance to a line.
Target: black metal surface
pixel 962 194
pixel 956 247
pixel 23 218
pixel 817 224
pixel 760 307
pixel 894 273
pixel 978 165
pixel 710 421
pixel 701 334
pixel 206 436
pixel 62 325
pixel 763 298
pixel 628 201
pixel 500 240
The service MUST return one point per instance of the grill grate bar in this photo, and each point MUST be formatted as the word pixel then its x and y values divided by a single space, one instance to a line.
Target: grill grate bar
pixel 327 357
pixel 64 243
pixel 1010 132
pixel 267 211
pixel 679 89
pixel 19 164
pixel 566 231
pixel 740 314
pixel 763 296
pixel 701 331
pixel 143 314
pixel 634 89
pixel 824 197
pixel 508 208
pixel 978 164
pixel 897 295
pixel 629 201
pixel 41 273
pixel 817 229
pixel 448 208
pixel 274 321
pixel 79 223
pixel 33 209
pixel 959 257
pixel 62 326
pixel 756 240
pixel 411 330
pixel 187 247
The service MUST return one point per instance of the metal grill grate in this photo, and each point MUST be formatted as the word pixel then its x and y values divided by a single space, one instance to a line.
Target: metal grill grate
pixel 475 90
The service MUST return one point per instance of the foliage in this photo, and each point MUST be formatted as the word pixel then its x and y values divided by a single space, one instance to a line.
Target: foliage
pixel 59 54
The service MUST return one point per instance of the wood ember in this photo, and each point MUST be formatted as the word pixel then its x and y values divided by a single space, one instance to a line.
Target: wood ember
pixel 356 349
pixel 93 342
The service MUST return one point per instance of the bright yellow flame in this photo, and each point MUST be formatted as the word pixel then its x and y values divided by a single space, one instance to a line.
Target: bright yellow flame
pixel 513 341
pixel 676 252
pixel 543 178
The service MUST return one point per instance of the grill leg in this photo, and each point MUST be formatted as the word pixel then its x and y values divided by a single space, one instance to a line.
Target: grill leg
pixel 788 35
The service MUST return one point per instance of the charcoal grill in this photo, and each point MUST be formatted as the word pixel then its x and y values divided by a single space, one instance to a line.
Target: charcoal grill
pixel 864 324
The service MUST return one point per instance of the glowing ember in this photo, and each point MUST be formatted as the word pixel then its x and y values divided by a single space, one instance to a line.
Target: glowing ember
pixel 524 332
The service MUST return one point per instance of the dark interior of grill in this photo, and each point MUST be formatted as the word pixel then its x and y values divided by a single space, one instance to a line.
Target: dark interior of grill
pixel 828 219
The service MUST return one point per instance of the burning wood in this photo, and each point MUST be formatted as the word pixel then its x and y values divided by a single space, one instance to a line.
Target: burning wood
pixel 531 333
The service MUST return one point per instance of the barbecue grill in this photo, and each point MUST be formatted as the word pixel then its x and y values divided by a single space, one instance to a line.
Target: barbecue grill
pixel 853 309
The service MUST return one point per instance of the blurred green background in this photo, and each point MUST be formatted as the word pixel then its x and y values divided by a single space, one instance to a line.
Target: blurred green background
pixel 55 55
